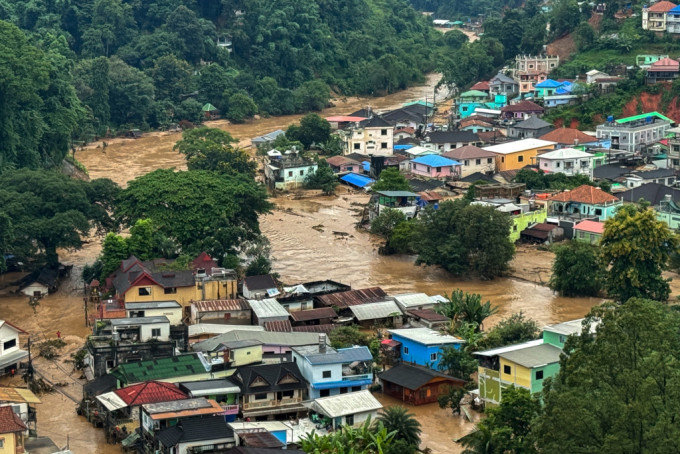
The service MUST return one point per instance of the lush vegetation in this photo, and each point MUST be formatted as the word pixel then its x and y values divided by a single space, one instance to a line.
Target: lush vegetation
pixel 556 180
pixel 577 270
pixel 371 438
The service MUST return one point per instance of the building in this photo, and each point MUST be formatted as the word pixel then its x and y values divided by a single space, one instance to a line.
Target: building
pixel 521 110
pixel 288 171
pixel 530 70
pixel 228 312
pixel 374 136
pixel 589 231
pixel 423 346
pixel 435 166
pixel 584 202
pixel 654 16
pixel 568 137
pixel 342 164
pixel 256 287
pixel 532 127
pixel 404 201
pixel 417 385
pixel 157 417
pixel 409 301
pixel 343 300
pixel 22 401
pixel 351 409
pixel 12 432
pixel 665 70
pixel 673 21
pixel 319 316
pixel 654 193
pixel 550 87
pixel 40 283
pixel 330 372
pixel 191 435
pixel 160 369
pixel 666 177
pixel 644 61
pixel 426 318
pixel 266 139
pixel 518 154
pixel 10 353
pixel 373 315
pixel 172 310
pixel 447 140
pixel 271 391
pixel 501 83
pixel 223 391
pixel 473 159
pixel 634 134
pixel 568 161
pixel 529 366
pixel 267 310
pixel 469 100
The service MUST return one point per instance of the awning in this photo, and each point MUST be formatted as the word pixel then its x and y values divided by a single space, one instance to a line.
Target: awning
pixel 13 358
pixel 111 401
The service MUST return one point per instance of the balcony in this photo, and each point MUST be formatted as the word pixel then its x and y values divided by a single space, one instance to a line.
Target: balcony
pixel 230 409
pixel 272 403
pixel 357 377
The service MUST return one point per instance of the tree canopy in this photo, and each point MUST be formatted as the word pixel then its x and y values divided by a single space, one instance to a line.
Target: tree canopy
pixel 577 270
pixel 213 149
pixel 391 179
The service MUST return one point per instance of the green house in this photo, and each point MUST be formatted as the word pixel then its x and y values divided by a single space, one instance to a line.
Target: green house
pixel 160 369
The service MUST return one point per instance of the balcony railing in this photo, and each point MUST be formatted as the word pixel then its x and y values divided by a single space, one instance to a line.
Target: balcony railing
pixel 230 409
pixel 357 377
pixel 272 403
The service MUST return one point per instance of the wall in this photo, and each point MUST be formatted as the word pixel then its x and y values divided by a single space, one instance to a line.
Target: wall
pixel 146 331
pixel 422 169
pixel 246 355
pixel 174 315
pixel 519 375
pixel 184 448
pixel 522 221
pixel 8 333
pixel 35 289
pixel 10 443
pixel 184 295
pixel 549 370
pixel 220 317
pixel 359 418
pixel 512 161
pixel 419 353
pixel 671 219
pixel 587 237
pixel 555 339
pixel 214 289
pixel 470 166
pixel 489 384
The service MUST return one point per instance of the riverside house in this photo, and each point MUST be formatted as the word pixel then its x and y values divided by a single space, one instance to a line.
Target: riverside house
pixel 584 202
pixel 423 346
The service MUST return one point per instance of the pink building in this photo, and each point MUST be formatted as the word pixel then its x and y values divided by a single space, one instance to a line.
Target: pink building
pixel 435 166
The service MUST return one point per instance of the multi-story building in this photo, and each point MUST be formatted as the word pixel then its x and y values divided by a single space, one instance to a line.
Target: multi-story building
pixel 634 133
pixel 288 171
pixel 530 70
pixel 10 352
pixel 374 136
pixel 654 16
pixel 568 161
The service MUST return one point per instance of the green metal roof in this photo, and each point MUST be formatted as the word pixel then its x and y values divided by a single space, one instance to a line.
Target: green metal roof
pixel 209 108
pixel 419 102
pixel 643 116
pixel 159 369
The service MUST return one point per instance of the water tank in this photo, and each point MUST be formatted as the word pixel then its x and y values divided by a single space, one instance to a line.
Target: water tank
pixel 648 119
pixel 610 119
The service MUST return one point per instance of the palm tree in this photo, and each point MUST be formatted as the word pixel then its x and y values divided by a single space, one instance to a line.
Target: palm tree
pixel 404 424
pixel 468 307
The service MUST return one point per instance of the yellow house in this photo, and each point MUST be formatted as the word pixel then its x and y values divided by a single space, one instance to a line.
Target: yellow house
pixel 12 430
pixel 520 153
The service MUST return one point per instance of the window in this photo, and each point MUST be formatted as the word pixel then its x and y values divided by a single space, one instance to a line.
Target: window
pixel 433 357
pixel 502 158
pixel 326 374
pixel 466 162
pixel 261 396
pixel 520 158
pixel 489 160
pixel 563 339
pixel 507 369
pixel 383 145
pixel 356 388
pixel 170 290
pixel 383 132
pixel 350 168
pixel 478 161
pixel 302 172
pixel 155 332
pixel 144 291
pixel 227 316
pixel 439 169
pixel 324 393
pixel 357 146
pixel 288 394
pixel 539 375
pixel 343 390
pixel 2 443
pixel 405 350
pixel 349 420
pixel 464 109
pixel 581 234
pixel 290 173
pixel 9 344
pixel 557 165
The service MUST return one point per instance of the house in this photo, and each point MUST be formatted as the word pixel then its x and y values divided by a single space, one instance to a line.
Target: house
pixel 266 139
pixel 351 409
pixel 341 164
pixel 518 154
pixel 401 118
pixel 138 329
pixel 171 310
pixel 447 140
pixel 158 416
pixel 404 201
pixel 529 366
pixel 589 231
pixel 473 159
pixel 271 391
pixel 654 16
pixel 405 132
pixel 644 61
pixel 320 316
pixel 408 301
pixel 204 331
pixel 229 312
pixel 267 310
pixel 12 432
pixel 532 127
pixel 357 180
pixel 423 346
pixel 568 137
pixel 542 233
pixel 435 166
pixel 663 71
pixel 469 100
pixel 426 198
pixel 276 346
pixel 585 201
pixel 417 385
pixel 668 211
pixel 22 401
pixel 522 215
pixel 256 287
pixel 10 353
pixel 673 20
pixel 343 121
pixel 481 86
pixel 634 133
pixel 568 161
pixel 521 110
pixel 530 70
pixel 40 283
pixel 666 177
pixel 288 171
pixel 654 193
pixel 594 74
pixel 374 136
pixel 160 369
pixel 343 300
pixel 330 372
pixel 235 353
pixel 501 83
pixel 137 281
pixel 190 435
pixel 426 318
pixel 476 124
pixel 371 315
pixel 223 391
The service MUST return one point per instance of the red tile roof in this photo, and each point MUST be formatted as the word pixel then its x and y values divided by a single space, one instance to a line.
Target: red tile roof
pixel 10 421
pixel 204 261
pixel 568 136
pixel 665 64
pixel 150 392
pixel 661 7
pixel 481 86
pixel 590 226
pixel 585 194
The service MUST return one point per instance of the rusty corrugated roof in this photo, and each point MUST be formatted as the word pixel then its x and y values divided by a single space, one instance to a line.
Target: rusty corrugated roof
pixel 279 326
pixel 353 297
pixel 237 304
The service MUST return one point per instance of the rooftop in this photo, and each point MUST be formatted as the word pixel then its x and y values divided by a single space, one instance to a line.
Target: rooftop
pixel 182 408
pixel 523 106
pixel 426 336
pixel 452 136
pixel 565 153
pixel 210 387
pixel 152 305
pixel 194 430
pixel 534 356
pixel 374 311
pixel 427 314
pixel 590 227
pixel 20 395
pixel 346 404
pixel 434 160
pixel 267 307
pixel 413 300
pixel 585 194
pixel 413 377
pixel 162 368
pixel 568 136
pixel 569 328
pixel 149 392
pixel 221 305
pixel 533 122
pixel 519 145
pixel 119 322
pixel 665 64
pixel 644 116
pixel 661 7
pixel 509 348
pixel 10 422
pixel 651 192
pixel 468 152
pixel 357 180
pixel 266 337
pixel 332 356
pixel 313 314
pixel 353 297
pixel 264 282
pixel 279 326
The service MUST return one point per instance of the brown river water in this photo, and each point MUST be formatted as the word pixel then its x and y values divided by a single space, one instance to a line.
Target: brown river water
pixel 301 253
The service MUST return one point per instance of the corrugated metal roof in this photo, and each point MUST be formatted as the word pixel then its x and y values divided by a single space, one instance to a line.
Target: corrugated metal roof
pixel 152 305
pixel 426 336
pixel 357 180
pixel 375 311
pixel 266 337
pixel 267 307
pixel 332 356
pixel 570 327
pixel 221 305
pixel 413 300
pixel 18 395
pixel 353 297
pixel 509 348
pixel 139 320
pixel 397 193
pixel 325 328
pixel 346 404
pixel 536 356
pixel 111 401
pixel 214 328
pixel 278 326
pixel 313 314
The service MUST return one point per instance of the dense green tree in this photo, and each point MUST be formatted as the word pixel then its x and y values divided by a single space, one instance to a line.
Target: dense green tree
pixel 452 399
pixel 386 222
pixel 347 336
pixel 259 266
pixel 636 248
pixel 171 77
pixel 403 237
pixel 333 146
pixel 391 179
pixel 241 107
pixel 312 130
pixel 131 94
pixel 557 180
pixel 189 110
pixel 114 249
pixel 617 390
pixel 458 362
pixel 322 178
pixel 576 270
pixel 6 237
pixel 512 330
pixel 404 424
pixel 584 35
pixel 565 17
pixel 312 95
pixel 213 149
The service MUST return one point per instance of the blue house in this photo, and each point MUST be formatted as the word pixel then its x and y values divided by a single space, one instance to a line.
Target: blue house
pixel 584 201
pixel 469 101
pixel 329 371
pixel 423 346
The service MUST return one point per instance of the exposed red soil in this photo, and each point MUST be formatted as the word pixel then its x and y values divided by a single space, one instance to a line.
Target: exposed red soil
pixel 651 103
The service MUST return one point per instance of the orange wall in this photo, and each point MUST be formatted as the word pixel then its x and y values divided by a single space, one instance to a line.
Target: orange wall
pixel 511 161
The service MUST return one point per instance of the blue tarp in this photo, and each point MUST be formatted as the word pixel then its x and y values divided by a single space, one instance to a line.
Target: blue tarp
pixel 357 180
pixel 403 147
pixel 367 166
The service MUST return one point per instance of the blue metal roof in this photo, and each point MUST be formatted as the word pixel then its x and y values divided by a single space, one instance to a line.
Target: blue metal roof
pixel 357 180
pixel 402 147
pixel 434 160
pixel 342 356
pixel 342 384
pixel 549 83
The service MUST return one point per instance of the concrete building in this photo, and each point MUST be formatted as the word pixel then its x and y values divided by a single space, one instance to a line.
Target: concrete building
pixel 374 136
pixel 634 133
pixel 287 171
pixel 530 70
pixel 568 161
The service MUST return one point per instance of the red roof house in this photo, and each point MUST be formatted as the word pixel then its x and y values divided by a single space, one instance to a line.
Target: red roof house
pixel 150 392
pixel 12 429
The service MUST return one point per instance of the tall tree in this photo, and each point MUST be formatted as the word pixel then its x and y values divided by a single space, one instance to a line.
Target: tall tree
pixel 404 424
pixel 391 179
pixel 576 270
pixel 213 149
pixel 323 178
pixel 636 248
pixel 313 130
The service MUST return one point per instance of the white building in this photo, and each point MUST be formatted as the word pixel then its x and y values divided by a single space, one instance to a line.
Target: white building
pixel 170 309
pixel 142 329
pixel 350 409
pixel 374 136
pixel 634 133
pixel 568 161
pixel 10 353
